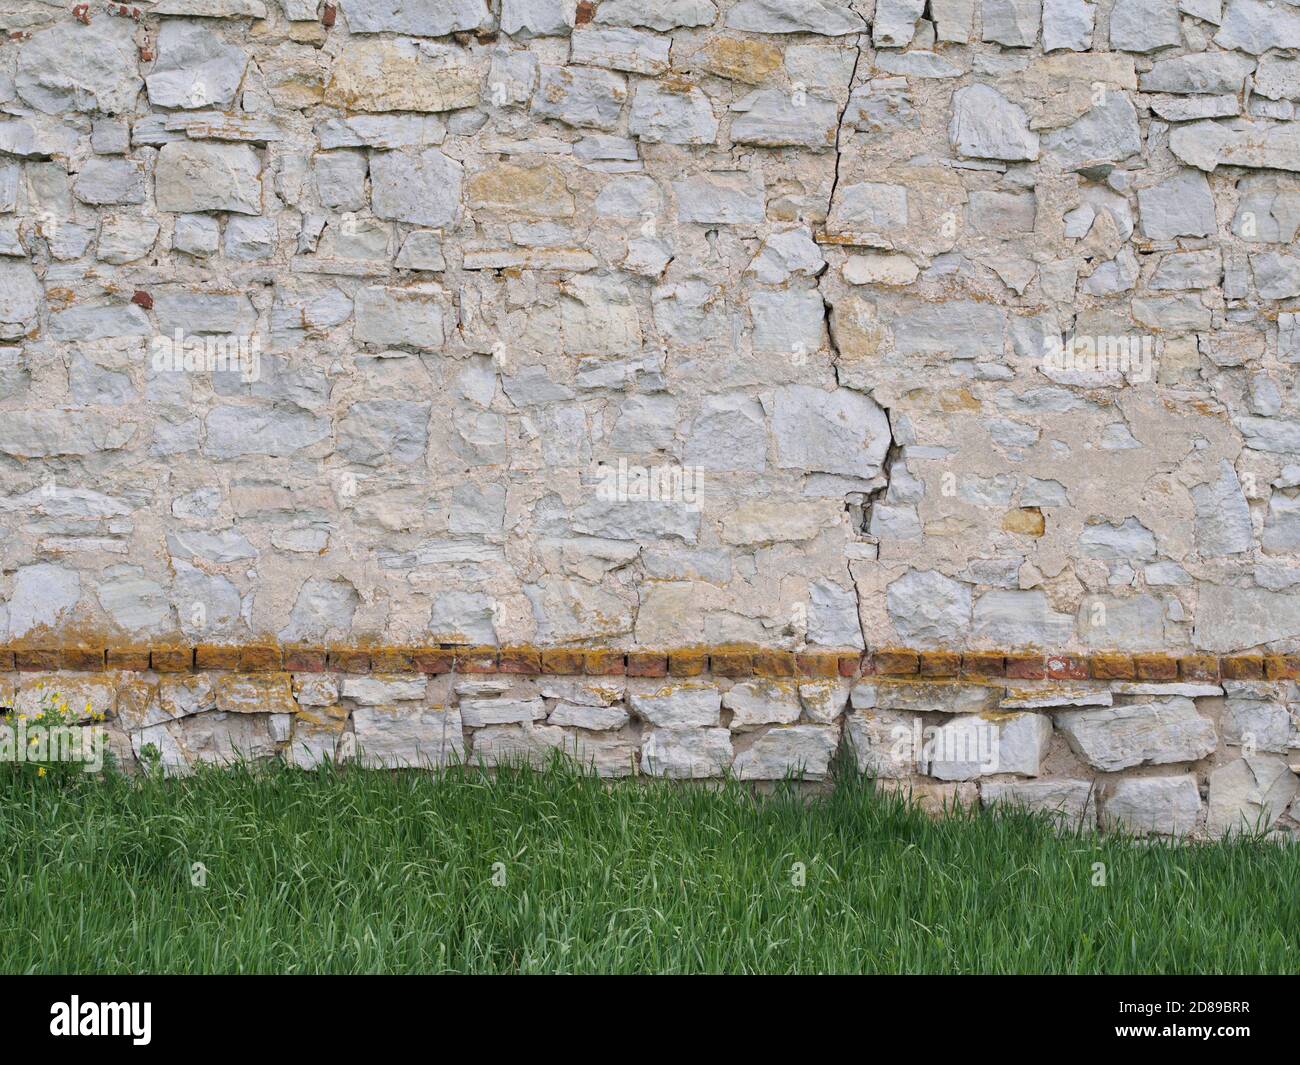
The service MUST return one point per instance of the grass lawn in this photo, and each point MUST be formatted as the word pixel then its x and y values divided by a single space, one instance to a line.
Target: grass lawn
pixel 394 872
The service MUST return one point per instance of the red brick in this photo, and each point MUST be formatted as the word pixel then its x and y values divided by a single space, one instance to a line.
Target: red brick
pixel 939 663
pixel 302 658
pixel 774 663
pixel 1112 667
pixel 1155 667
pixel 171 658
pixel 604 663
pixel 522 660
pixel 216 656
pixel 1198 667
pixel 1282 667
pixel 1067 667
pixel 812 664
pixel 349 659
pixel 434 659
pixel 476 660
pixel 893 662
pixel 261 658
pixel 82 659
pixel 1243 667
pixel 36 659
pixel 687 663
pixel 134 659
pixel 647 664
pixel 983 664
pixel 391 660
pixel 562 661
pixel 732 664
pixel 1026 666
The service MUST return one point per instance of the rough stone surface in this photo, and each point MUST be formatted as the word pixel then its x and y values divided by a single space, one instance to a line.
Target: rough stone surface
pixel 1155 733
pixel 423 189
pixel 929 609
pixel 1068 24
pixel 195 67
pixel 762 702
pixel 970 746
pixel 1257 722
pixel 797 751
pixel 801 325
pixel 986 125
pixel 201 176
pixel 399 738
pixel 677 706
pixel 72 66
pixel 1223 525
pixel 43 595
pixel 1071 803
pixel 1144 25
pixel 1164 806
pixel 686 754
pixel 1180 206
pixel 1249 795
pixel 940 741
pixel 1235 619
pixel 883 744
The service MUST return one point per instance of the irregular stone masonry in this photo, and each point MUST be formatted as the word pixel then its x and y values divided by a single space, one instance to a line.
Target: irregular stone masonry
pixel 1201 751
pixel 815 336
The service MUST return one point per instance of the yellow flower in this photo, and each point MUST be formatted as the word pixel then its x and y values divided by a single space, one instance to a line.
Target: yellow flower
pixel 40 771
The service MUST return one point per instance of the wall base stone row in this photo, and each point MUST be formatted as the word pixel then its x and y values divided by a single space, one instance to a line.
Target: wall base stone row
pixel 1195 756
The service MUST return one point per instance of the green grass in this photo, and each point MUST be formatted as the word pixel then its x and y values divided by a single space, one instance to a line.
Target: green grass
pixel 393 872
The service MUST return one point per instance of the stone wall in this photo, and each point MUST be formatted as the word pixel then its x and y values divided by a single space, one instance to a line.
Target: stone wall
pixel 793 324
pixel 1182 758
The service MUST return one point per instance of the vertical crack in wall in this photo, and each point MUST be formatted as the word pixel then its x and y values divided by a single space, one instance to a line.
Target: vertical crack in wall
pixel 839 128
pixel 861 514
pixel 878 495
pixel 859 510
pixel 830 201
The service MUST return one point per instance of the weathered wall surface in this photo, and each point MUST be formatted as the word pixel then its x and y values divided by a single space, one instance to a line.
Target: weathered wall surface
pixel 1176 758
pixel 801 324
pixel 815 259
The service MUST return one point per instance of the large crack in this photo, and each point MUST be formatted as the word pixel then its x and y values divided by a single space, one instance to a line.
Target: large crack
pixel 839 127
pixel 892 454
pixel 859 511
pixel 861 515
pixel 830 201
